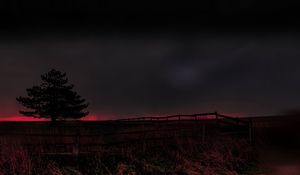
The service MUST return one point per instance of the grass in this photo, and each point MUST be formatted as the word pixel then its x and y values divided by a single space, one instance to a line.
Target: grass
pixel 223 156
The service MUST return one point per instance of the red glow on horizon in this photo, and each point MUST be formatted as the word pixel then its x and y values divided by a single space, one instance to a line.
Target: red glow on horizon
pixel 22 119
pixel 94 117
pixel 32 119
pixel 89 118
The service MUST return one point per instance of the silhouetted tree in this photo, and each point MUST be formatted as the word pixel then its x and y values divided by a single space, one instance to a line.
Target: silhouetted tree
pixel 53 99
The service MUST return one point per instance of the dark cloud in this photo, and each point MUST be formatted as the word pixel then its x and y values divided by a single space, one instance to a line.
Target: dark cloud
pixel 124 76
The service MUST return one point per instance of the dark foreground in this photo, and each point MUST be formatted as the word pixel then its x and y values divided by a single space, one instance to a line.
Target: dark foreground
pixel 270 146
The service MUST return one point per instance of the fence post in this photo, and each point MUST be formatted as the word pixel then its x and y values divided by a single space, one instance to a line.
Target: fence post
pixel 75 148
pixel 250 131
pixel 203 132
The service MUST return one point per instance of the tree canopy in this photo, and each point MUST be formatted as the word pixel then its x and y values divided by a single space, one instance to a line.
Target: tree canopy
pixel 54 98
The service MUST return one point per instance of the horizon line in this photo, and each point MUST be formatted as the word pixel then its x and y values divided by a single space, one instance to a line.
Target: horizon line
pixel 96 118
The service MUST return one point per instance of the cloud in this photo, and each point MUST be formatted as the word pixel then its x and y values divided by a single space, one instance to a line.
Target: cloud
pixel 122 76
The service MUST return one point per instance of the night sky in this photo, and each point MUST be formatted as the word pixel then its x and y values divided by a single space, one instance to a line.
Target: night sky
pixel 143 59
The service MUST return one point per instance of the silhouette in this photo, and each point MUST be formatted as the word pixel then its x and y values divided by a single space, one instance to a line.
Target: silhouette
pixel 53 99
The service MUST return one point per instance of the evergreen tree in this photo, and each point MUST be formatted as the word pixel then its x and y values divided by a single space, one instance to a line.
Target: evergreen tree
pixel 53 99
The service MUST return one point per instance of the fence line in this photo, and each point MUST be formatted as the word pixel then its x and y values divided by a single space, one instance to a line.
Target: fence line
pixel 179 117
pixel 75 138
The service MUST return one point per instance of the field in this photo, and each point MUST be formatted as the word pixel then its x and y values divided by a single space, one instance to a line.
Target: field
pixel 221 145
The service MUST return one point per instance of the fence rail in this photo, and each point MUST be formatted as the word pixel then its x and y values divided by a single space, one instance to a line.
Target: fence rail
pixel 74 142
pixel 200 116
pixel 171 117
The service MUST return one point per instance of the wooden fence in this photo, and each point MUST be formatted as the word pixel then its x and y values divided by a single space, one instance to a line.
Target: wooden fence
pixel 75 140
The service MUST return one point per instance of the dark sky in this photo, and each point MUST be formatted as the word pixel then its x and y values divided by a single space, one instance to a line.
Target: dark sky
pixel 142 59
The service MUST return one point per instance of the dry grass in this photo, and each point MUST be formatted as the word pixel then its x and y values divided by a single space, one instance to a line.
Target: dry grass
pixel 226 156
